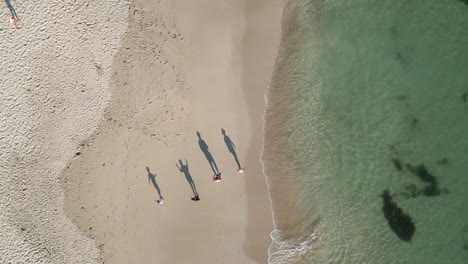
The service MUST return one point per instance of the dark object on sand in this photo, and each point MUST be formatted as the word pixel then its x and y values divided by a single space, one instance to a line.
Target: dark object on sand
pixel 217 177
pixel 400 223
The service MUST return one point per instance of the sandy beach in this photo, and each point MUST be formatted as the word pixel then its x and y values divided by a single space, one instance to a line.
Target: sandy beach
pixel 100 107
pixel 54 73
pixel 183 67
pixel 134 131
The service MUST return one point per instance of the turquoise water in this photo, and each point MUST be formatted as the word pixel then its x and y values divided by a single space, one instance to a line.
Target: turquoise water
pixel 369 96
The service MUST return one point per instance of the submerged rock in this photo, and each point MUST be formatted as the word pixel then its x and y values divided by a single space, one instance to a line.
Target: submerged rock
pixel 465 237
pixel 430 189
pixel 402 59
pixel 411 191
pixel 394 31
pixel 443 162
pixel 400 223
pixel 414 123
pixel 397 164
pixel 423 174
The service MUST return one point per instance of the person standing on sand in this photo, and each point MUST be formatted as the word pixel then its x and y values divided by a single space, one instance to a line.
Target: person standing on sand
pixel 160 200
pixel 217 177
pixel 13 22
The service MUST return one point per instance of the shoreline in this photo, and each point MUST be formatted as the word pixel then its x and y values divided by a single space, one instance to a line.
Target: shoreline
pixel 259 27
pixel 175 92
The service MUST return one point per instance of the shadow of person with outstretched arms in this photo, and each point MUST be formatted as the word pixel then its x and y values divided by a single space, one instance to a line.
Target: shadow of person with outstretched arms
pixel 208 156
pixel 185 170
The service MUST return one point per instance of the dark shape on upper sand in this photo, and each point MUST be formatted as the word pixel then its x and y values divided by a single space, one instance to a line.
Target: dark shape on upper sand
pixel 464 1
pixel 397 164
pixel 400 223
pixel 465 95
pixel 421 172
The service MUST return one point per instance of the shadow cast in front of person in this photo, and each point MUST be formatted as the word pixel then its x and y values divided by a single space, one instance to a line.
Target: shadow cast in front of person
pixel 232 148
pixel 152 179
pixel 185 170
pixel 12 10
pixel 208 156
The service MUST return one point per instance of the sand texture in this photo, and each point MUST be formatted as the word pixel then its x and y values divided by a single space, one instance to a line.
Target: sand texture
pixel 101 99
pixel 54 76
pixel 182 69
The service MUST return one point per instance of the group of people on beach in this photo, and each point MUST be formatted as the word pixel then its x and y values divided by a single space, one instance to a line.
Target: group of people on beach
pixel 13 18
pixel 183 168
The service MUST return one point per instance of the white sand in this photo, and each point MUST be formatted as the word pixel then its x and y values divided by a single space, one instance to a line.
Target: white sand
pixel 54 74
pixel 183 66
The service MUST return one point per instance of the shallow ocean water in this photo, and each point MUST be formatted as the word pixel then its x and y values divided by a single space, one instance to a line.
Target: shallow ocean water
pixel 365 92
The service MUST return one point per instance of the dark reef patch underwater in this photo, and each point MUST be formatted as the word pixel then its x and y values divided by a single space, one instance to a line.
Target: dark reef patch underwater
pixel 366 129
pixel 421 172
pixel 400 222
pixel 465 237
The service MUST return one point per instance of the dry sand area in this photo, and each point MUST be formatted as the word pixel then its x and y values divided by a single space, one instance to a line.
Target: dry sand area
pixel 110 114
pixel 54 87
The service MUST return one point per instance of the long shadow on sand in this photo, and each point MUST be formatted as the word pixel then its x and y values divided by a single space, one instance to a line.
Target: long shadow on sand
pixel 10 7
pixel 185 170
pixel 208 156
pixel 231 147
pixel 152 179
